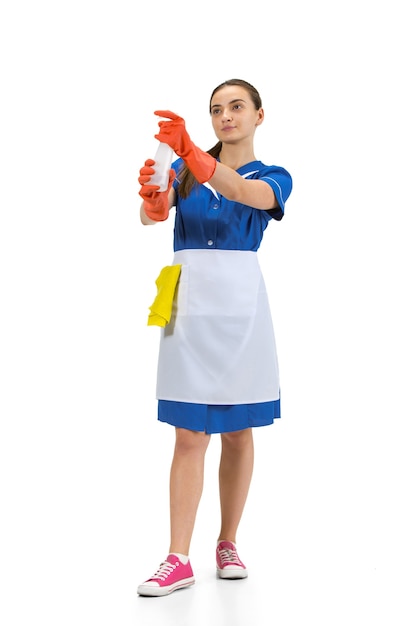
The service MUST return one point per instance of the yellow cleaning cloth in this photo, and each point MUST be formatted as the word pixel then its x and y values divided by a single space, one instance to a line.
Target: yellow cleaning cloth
pixel 166 284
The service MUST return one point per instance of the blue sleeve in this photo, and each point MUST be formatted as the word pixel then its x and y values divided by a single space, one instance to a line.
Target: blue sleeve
pixel 281 183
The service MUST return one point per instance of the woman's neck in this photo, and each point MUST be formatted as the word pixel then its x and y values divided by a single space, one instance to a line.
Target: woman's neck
pixel 235 156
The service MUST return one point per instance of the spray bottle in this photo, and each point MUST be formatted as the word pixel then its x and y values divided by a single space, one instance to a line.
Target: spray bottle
pixel 163 162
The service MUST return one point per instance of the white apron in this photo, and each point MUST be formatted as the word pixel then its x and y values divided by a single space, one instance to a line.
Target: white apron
pixel 219 347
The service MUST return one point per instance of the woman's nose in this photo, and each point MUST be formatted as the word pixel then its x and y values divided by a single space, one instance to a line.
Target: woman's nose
pixel 227 114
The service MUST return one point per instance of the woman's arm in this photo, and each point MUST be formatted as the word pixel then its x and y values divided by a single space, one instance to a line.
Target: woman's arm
pixel 255 193
pixel 146 220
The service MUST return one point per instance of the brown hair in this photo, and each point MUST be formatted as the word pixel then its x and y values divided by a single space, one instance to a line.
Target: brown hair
pixel 187 179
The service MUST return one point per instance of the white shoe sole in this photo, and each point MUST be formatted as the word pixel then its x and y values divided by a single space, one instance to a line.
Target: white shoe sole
pixel 156 591
pixel 232 574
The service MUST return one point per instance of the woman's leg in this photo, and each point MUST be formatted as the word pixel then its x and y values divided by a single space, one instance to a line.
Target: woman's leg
pixel 235 474
pixel 186 486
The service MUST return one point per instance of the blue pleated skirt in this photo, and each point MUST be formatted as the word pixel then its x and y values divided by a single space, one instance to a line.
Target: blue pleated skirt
pixel 218 418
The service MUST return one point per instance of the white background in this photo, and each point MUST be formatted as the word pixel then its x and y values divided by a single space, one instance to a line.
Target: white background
pixel 329 528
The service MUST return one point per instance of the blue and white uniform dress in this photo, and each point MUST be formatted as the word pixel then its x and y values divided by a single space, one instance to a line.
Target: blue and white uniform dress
pixel 217 367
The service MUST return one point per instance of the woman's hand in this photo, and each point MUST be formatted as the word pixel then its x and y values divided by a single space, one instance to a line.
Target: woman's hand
pixel 174 133
pixel 155 203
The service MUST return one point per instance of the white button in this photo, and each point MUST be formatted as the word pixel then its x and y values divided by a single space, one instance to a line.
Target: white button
pixel 210 242
pixel 215 206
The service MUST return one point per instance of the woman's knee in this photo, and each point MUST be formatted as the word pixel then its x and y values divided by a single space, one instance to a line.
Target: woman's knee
pixel 190 441
pixel 238 440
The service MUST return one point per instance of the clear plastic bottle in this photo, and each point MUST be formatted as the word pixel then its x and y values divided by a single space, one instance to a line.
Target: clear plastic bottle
pixel 163 161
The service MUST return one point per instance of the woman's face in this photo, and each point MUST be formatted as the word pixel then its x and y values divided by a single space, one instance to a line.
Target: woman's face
pixel 233 114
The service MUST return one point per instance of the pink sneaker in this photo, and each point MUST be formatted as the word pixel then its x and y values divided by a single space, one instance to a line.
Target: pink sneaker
pixel 171 575
pixel 228 563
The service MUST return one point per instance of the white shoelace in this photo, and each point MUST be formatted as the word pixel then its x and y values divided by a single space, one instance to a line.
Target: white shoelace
pixel 229 555
pixel 164 570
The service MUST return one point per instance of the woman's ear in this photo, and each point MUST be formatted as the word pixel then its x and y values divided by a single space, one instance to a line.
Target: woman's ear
pixel 261 116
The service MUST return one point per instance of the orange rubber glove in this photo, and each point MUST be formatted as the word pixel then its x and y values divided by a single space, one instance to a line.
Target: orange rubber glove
pixel 155 203
pixel 172 132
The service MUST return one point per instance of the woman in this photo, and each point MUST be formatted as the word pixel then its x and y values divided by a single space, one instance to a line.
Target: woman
pixel 217 370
